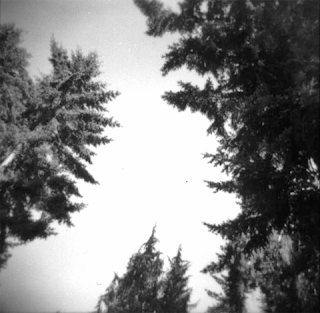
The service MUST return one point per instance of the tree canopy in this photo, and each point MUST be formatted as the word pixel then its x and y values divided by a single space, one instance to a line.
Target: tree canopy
pixel 264 111
pixel 46 129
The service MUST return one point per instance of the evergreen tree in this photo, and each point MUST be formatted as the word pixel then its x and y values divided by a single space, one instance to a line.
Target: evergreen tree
pixel 15 93
pixel 46 130
pixel 144 288
pixel 277 280
pixel 176 293
pixel 231 272
pixel 110 298
pixel 284 288
pixel 264 56
pixel 138 291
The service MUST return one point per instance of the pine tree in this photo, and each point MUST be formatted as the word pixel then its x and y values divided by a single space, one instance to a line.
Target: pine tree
pixel 283 287
pixel 138 291
pixel 144 288
pixel 176 293
pixel 277 280
pixel 231 272
pixel 264 112
pixel 15 93
pixel 110 298
pixel 47 127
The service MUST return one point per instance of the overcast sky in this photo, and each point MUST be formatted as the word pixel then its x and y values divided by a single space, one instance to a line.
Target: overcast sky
pixel 152 173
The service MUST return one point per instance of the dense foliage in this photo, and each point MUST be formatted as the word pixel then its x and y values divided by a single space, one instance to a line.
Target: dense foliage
pixel 264 56
pixel 233 277
pixel 145 288
pixel 46 129
pixel 176 294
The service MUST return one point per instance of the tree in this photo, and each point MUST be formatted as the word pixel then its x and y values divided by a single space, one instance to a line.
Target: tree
pixel 273 269
pixel 110 298
pixel 47 128
pixel 138 291
pixel 15 88
pixel 144 288
pixel 231 272
pixel 176 293
pixel 274 273
pixel 264 112
pixel 283 286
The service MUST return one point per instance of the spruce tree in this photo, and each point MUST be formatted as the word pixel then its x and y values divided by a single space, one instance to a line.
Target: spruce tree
pixel 138 291
pixel 110 298
pixel 231 273
pixel 264 111
pixel 276 271
pixel 144 288
pixel 176 293
pixel 15 93
pixel 47 127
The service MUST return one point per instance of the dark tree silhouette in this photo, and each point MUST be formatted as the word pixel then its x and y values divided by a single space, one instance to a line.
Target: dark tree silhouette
pixel 46 130
pixel 176 293
pixel 144 288
pixel 264 55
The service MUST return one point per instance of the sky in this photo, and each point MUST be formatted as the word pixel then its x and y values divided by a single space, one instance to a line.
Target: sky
pixel 152 173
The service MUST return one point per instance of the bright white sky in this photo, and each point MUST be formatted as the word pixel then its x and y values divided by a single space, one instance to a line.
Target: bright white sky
pixel 152 173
